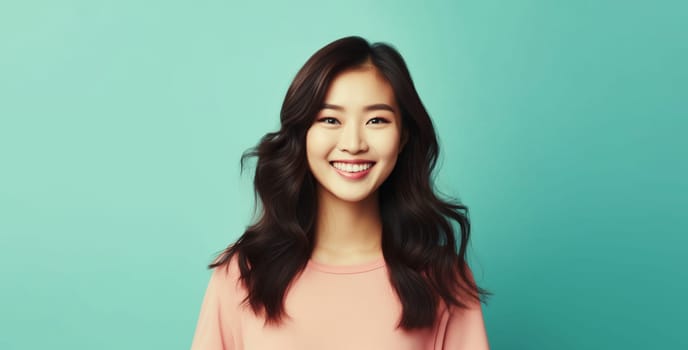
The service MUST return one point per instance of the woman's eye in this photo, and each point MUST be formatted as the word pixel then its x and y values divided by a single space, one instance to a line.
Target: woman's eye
pixel 378 120
pixel 328 120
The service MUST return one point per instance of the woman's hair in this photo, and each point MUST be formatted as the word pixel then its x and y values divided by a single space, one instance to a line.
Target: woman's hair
pixel 418 231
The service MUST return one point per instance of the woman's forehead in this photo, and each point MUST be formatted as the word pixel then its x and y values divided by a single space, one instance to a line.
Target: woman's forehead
pixel 361 88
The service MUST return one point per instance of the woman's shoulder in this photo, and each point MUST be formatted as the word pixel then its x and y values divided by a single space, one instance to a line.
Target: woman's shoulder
pixel 226 274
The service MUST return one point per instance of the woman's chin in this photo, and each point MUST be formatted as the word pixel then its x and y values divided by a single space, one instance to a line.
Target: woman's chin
pixel 349 196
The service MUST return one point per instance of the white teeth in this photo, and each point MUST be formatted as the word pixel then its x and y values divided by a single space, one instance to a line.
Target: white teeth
pixel 352 168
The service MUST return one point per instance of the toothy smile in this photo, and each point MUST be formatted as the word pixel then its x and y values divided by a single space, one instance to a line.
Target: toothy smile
pixel 352 167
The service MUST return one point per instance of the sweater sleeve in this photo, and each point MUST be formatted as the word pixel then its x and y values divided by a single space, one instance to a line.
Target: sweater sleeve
pixel 466 328
pixel 213 331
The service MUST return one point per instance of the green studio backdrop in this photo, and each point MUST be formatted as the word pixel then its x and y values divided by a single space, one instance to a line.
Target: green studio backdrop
pixel 562 125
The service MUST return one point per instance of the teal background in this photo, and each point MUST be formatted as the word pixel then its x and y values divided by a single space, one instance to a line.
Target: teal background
pixel 562 126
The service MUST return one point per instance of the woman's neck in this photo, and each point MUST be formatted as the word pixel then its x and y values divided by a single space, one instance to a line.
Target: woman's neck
pixel 347 233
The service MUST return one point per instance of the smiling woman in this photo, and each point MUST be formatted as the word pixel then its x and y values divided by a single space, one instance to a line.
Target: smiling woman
pixel 352 248
pixel 353 145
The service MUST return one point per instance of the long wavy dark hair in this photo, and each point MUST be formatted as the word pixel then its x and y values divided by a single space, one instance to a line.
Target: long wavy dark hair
pixel 425 262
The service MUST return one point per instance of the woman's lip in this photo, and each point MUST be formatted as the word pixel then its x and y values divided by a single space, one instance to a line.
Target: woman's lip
pixel 353 176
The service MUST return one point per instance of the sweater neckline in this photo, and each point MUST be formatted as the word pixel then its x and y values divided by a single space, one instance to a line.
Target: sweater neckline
pixel 348 269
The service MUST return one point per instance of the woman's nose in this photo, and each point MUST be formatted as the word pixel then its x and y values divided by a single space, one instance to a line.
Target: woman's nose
pixel 352 139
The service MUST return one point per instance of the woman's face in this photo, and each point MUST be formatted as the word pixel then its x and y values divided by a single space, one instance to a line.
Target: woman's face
pixel 354 141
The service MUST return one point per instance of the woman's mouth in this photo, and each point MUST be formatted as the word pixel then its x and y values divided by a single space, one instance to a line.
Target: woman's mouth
pixel 352 170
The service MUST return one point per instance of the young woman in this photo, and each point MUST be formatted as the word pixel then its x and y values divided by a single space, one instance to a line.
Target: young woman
pixel 353 249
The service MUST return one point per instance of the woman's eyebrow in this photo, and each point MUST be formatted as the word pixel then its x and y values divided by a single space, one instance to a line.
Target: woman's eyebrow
pixel 373 107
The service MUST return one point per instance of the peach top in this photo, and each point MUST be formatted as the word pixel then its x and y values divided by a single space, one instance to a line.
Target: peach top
pixel 329 307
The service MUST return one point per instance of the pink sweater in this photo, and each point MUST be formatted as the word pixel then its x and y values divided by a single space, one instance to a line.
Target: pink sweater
pixel 329 308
